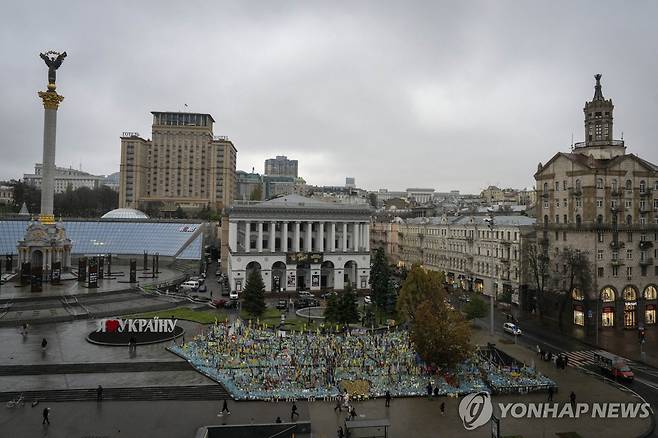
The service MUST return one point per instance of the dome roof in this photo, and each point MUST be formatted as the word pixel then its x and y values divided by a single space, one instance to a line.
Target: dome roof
pixel 124 213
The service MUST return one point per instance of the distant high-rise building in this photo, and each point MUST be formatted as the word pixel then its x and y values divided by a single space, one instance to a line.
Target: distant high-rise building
pixel 184 165
pixel 64 178
pixel 281 166
pixel 350 182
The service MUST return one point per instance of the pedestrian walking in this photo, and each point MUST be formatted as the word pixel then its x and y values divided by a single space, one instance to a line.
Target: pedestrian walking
pixel 388 398
pixel 44 343
pixel 340 432
pixel 338 405
pixel 538 351
pixel 224 409
pixel 99 393
pixel 46 412
pixel 352 413
pixel 566 360
pixel 429 389
pixel 294 412
pixel 572 398
pixel 550 393
pixel 443 408
pixel 278 420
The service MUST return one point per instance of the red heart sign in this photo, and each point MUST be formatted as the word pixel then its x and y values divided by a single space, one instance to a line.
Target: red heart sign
pixel 111 325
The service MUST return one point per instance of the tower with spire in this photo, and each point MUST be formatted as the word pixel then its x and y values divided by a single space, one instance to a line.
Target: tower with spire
pixel 599 142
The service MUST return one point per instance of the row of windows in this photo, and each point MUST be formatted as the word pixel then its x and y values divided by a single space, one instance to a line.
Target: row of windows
pixel 600 185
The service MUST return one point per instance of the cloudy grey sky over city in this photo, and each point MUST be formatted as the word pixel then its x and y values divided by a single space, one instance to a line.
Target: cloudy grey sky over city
pixel 450 95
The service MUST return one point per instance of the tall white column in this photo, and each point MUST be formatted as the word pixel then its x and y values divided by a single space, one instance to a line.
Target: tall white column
pixel 284 238
pixel 272 236
pixel 233 236
pixel 344 246
pixel 259 244
pixel 247 236
pixel 332 237
pixel 355 236
pixel 309 236
pixel 51 101
pixel 320 237
pixel 367 245
pixel 295 239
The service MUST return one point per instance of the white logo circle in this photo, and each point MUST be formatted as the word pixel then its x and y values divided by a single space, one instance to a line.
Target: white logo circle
pixel 475 410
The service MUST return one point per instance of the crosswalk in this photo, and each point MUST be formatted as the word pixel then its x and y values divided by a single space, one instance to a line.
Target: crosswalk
pixel 584 358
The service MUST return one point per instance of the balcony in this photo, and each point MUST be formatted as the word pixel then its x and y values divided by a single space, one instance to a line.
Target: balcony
pixel 645 192
pixel 616 192
pixel 615 209
pixel 645 244
pixel 616 262
pixel 575 191
pixel 646 262
pixel 615 244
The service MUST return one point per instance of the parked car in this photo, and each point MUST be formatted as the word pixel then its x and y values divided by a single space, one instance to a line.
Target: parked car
pixel 512 329
pixel 304 293
pixel 231 304
pixel 219 302
pixel 282 305
pixel 198 279
pixel 189 285
pixel 202 288
pixel 233 295
pixel 367 299
pixel 306 302
pixel 614 365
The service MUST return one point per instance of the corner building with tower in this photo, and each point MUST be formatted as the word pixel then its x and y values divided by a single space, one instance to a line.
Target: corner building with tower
pixel 298 243
pixel 603 201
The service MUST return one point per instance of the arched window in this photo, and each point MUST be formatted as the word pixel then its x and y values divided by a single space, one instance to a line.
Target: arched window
pixel 546 188
pixel 578 220
pixel 650 292
pixel 599 183
pixel 607 294
pixel 599 219
pixel 629 184
pixel 577 184
pixel 577 294
pixel 643 186
pixel 630 293
pixel 614 185
pixel 629 219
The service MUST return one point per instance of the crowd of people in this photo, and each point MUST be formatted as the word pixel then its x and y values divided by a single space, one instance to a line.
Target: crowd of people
pixel 256 363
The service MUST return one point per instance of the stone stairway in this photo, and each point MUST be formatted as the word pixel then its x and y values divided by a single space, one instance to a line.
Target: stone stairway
pixel 196 392
pixel 83 368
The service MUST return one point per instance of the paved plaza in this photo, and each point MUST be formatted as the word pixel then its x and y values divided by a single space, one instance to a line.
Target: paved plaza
pixel 125 417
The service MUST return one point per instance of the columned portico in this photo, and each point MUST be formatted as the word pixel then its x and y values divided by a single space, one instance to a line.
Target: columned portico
pixel 291 253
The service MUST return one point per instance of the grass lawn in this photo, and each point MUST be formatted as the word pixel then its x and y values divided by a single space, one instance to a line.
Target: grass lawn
pixel 272 317
pixel 568 435
pixel 201 316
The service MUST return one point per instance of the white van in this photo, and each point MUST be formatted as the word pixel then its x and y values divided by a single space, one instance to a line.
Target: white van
pixel 233 295
pixel 190 285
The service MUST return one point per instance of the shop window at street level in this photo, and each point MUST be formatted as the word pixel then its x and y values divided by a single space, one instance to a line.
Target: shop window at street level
pixel 577 294
pixel 650 292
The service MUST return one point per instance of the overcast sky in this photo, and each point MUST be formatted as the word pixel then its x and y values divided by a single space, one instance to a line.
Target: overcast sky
pixel 449 95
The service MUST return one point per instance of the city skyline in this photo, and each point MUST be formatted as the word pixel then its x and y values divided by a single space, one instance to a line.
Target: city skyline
pixel 444 106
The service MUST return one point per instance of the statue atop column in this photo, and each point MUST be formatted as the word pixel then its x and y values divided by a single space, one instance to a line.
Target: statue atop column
pixel 53 60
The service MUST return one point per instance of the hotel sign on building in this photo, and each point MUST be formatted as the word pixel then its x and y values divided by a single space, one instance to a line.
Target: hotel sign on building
pixel 298 243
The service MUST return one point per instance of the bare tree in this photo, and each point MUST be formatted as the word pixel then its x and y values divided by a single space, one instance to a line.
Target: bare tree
pixel 539 272
pixel 576 273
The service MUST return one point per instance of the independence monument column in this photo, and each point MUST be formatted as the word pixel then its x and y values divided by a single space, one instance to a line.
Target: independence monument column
pixel 45 251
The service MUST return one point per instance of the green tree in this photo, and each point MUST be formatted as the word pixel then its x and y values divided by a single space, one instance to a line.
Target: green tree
pixel 348 311
pixel 253 295
pixel 419 285
pixel 440 335
pixel 381 283
pixel 477 308
pixel 257 193
pixel 332 311
pixel 372 199
pixel 179 213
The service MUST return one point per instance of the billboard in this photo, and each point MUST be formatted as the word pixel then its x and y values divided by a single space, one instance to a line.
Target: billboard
pixel 304 257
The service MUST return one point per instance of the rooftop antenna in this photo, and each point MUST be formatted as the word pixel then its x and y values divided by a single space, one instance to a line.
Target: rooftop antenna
pixel 571 141
pixel 622 135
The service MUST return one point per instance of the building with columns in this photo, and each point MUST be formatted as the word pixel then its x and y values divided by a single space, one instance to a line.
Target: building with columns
pixel 299 243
